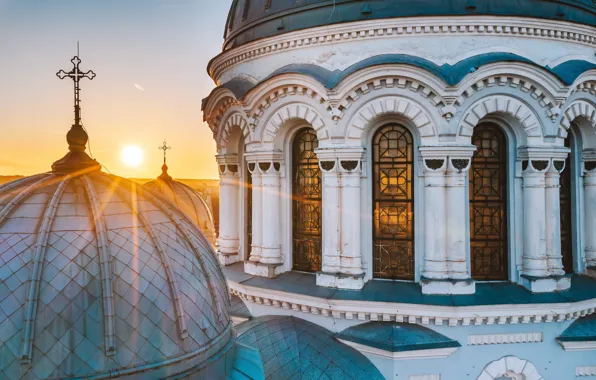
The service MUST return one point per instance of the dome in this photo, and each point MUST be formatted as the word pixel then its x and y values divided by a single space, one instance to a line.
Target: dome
pixel 250 20
pixel 294 348
pixel 186 200
pixel 99 277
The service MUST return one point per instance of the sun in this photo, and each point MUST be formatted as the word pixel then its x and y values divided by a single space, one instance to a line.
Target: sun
pixel 132 156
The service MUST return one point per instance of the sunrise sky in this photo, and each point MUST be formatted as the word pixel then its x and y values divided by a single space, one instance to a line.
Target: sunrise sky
pixel 150 58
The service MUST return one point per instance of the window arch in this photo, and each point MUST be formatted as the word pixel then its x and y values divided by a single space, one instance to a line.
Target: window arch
pixel 393 202
pixel 306 202
pixel 488 204
pixel 568 183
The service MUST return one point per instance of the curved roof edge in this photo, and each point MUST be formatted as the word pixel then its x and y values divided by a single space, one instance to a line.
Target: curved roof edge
pixel 396 337
pixel 257 21
pixel 566 72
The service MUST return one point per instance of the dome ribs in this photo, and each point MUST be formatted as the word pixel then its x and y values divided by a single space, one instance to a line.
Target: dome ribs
pixel 38 259
pixel 177 222
pixel 165 260
pixel 104 267
pixel 5 212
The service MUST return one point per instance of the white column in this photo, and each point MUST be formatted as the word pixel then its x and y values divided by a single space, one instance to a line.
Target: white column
pixel 534 259
pixel 457 218
pixel 271 191
pixel 257 215
pixel 553 218
pixel 331 217
pixel 351 218
pixel 229 213
pixel 590 214
pixel 342 220
pixel 435 257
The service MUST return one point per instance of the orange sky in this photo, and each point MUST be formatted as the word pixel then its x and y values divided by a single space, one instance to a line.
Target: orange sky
pixel 162 46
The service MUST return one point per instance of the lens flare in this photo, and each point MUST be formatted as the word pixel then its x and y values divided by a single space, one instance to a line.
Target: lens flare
pixel 132 156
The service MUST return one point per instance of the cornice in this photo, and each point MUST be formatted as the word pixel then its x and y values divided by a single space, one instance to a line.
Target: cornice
pixel 415 313
pixel 396 28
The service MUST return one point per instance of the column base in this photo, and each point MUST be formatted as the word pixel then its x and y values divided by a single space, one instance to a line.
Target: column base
pixel 447 286
pixel 340 280
pixel 262 270
pixel 226 259
pixel 546 284
pixel 591 271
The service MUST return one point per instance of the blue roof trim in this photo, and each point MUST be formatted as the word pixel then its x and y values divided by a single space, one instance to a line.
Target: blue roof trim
pixel 397 337
pixel 566 72
pixel 582 330
pixel 451 74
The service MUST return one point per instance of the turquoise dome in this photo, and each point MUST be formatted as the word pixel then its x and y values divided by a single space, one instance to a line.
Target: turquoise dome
pixel 250 20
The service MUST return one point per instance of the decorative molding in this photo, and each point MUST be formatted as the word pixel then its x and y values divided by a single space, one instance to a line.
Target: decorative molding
pixel 589 87
pixel 512 81
pixel 559 165
pixel 327 165
pixel 414 313
pixel 579 108
pixel 295 111
pixel 540 165
pixel 350 165
pixel 234 120
pixel 510 367
pixel 269 98
pixel 579 346
pixel 390 105
pixel 585 371
pixel 434 164
pixel 489 339
pixel 402 27
pixel 504 104
pixel 460 163
pixel 437 353
pixel 424 377
pixel 390 82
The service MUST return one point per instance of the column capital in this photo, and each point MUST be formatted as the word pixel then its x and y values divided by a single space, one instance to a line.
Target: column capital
pixel 340 160
pixel 267 156
pixel 453 151
pixel 543 152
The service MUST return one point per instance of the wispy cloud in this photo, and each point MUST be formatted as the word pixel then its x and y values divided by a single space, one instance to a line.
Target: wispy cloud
pixel 138 87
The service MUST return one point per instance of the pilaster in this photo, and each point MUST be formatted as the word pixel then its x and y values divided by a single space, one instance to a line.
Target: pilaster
pixel 266 256
pixel 342 257
pixel 229 239
pixel 446 267
pixel 540 256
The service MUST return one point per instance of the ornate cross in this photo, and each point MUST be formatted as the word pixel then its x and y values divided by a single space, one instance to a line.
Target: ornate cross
pixel 165 148
pixel 76 75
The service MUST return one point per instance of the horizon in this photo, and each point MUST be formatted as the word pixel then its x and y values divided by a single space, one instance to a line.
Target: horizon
pixel 136 98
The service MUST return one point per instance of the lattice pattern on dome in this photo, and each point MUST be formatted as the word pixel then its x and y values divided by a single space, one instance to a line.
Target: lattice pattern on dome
pixel 294 348
pixel 71 326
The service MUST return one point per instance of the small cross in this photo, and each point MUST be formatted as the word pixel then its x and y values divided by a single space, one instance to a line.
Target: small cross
pixel 76 75
pixel 165 148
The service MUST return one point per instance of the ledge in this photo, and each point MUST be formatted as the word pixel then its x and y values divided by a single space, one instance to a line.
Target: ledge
pixel 404 302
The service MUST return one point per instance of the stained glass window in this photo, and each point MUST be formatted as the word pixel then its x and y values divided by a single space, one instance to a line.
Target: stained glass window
pixel 306 203
pixel 393 202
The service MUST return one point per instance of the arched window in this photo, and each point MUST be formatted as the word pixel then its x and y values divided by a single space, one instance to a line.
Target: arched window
pixel 306 202
pixel 566 203
pixel 488 204
pixel 248 217
pixel 393 203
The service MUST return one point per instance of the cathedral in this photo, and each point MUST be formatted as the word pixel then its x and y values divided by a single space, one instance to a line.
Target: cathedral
pixel 416 178
pixel 407 191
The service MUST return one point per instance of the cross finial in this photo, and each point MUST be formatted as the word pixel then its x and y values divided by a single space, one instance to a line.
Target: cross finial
pixel 165 148
pixel 164 168
pixel 76 75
